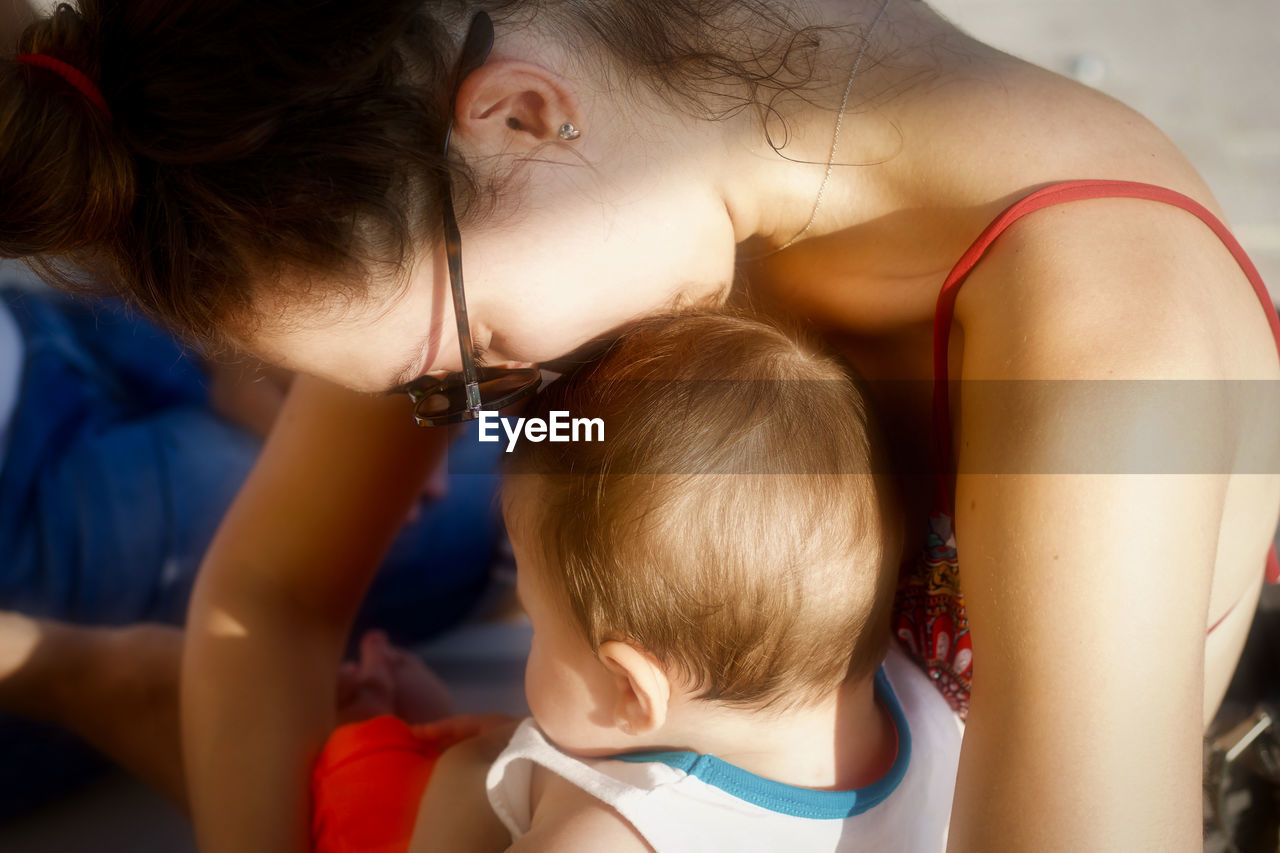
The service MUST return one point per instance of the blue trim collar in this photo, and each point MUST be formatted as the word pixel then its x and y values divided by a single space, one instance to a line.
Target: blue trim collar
pixel 792 799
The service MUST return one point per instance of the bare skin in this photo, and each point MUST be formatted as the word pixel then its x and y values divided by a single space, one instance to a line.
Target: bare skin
pixel 117 688
pixel 1089 596
pixel 455 813
pixel 1074 280
pixel 620 698
pixel 247 393
pixel 1080 278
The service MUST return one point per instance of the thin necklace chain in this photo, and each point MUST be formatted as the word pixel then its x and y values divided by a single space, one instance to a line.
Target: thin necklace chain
pixel 835 139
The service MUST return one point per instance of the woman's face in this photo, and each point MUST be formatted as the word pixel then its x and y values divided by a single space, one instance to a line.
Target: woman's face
pixel 580 256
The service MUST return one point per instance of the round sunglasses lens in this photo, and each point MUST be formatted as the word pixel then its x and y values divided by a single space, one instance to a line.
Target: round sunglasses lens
pixel 499 388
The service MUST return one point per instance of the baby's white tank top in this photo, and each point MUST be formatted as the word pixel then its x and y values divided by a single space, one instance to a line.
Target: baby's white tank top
pixel 683 801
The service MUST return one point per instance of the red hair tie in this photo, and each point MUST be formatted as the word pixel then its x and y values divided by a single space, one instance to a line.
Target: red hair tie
pixel 72 75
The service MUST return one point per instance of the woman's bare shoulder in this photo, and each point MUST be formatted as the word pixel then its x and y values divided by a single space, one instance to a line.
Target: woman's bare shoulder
pixel 985 126
pixel 1114 288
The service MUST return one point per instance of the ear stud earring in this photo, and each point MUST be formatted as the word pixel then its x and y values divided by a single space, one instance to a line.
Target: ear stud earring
pixel 568 132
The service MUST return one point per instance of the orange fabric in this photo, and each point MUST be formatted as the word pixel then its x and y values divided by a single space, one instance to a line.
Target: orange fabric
pixel 370 777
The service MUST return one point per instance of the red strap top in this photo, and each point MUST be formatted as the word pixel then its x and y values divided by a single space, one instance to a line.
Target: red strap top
pixel 1042 198
pixel 929 613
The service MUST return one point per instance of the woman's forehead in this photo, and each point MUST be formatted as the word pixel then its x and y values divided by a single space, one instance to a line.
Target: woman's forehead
pixel 367 339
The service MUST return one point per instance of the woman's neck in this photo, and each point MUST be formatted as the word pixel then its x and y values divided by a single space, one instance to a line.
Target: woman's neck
pixel 772 192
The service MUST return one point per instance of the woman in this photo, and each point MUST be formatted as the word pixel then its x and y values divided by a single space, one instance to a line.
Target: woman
pixel 119 453
pixel 272 171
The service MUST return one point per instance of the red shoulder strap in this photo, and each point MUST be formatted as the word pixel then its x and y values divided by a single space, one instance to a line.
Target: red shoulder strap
pixel 1041 198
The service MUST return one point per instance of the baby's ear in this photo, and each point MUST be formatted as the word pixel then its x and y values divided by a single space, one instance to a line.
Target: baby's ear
pixel 643 689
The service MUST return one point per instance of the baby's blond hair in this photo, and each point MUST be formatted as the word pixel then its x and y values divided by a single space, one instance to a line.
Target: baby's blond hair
pixel 733 522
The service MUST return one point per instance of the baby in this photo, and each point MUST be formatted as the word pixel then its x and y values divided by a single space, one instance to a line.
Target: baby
pixel 709 588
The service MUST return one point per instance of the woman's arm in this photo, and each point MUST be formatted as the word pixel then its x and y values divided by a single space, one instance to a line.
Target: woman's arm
pixel 1086 597
pixel 1088 593
pixel 275 598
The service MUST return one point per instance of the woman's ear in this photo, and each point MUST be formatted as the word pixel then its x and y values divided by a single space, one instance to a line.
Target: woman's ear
pixel 513 106
pixel 643 689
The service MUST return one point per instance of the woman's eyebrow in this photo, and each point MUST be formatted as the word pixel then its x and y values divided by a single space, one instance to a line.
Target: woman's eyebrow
pixel 405 375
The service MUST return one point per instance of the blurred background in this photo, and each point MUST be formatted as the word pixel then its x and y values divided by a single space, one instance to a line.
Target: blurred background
pixel 1205 71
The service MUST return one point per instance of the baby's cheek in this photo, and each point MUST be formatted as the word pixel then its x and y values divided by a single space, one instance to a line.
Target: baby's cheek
pixel 540 688
pixel 550 701
pixel 533 679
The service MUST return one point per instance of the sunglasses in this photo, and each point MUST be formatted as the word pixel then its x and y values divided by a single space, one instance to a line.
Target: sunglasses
pixel 463 395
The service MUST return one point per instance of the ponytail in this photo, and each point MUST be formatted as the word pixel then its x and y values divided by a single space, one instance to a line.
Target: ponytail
pixel 66 180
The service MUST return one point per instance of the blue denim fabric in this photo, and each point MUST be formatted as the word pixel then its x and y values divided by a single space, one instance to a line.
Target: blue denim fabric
pixel 117 475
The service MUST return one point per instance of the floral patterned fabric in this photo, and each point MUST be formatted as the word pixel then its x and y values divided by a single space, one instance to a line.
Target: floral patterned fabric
pixel 929 618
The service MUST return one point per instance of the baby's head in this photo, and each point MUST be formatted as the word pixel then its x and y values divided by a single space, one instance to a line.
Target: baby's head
pixel 729 542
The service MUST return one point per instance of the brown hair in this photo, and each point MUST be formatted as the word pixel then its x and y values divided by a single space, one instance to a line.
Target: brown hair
pixel 730 523
pixel 248 138
pixel 253 140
